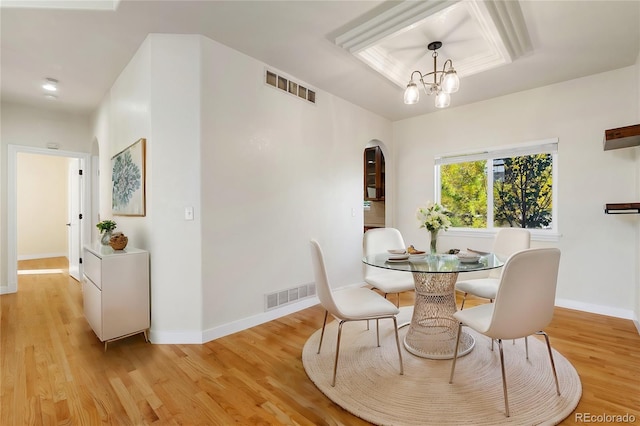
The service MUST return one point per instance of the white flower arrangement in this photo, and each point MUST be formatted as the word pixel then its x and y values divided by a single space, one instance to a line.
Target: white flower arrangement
pixel 433 217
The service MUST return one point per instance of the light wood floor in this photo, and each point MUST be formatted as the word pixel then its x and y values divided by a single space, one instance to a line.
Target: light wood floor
pixel 54 370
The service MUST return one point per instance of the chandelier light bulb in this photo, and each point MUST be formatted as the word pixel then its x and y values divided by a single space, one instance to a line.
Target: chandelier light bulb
pixel 411 94
pixel 50 84
pixel 450 81
pixel 443 99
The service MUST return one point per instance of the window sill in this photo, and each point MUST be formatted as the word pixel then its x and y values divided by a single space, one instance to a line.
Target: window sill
pixel 536 234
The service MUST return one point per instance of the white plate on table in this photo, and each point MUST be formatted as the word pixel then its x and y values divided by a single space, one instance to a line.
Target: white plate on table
pixel 466 257
pixel 398 252
pixel 401 260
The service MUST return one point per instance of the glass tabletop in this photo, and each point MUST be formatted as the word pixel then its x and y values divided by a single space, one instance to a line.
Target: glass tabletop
pixel 433 263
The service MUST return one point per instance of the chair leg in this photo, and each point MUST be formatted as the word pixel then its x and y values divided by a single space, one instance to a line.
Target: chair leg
pixel 504 379
pixel 335 364
pixel 464 297
pixel 398 304
pixel 553 365
pixel 378 331
pixel 395 328
pixel 526 346
pixel 455 353
pixel 326 313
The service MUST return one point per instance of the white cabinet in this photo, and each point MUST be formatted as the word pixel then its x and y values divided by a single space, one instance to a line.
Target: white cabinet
pixel 116 291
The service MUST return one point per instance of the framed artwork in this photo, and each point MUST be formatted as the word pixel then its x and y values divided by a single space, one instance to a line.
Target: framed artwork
pixel 128 180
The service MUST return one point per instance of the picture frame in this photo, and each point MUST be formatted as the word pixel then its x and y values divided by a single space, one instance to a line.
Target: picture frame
pixel 128 180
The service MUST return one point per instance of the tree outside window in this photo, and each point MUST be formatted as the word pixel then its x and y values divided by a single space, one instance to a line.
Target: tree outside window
pixel 464 193
pixel 522 189
pixel 516 192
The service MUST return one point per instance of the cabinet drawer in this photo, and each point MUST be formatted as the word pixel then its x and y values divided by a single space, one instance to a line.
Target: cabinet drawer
pixel 93 268
pixel 92 300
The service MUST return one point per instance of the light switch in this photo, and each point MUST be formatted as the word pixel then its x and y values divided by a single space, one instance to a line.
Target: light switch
pixel 188 213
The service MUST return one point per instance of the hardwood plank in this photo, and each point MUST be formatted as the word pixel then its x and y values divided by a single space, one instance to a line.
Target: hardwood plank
pixel 55 371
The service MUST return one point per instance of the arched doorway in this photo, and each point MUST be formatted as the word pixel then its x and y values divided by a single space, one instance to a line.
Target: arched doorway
pixel 374 186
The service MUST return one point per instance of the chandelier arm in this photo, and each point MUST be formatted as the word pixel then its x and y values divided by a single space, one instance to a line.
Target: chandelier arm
pixel 419 73
pixel 421 79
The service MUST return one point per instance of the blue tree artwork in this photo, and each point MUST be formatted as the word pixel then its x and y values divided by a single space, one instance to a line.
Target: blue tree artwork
pixel 127 179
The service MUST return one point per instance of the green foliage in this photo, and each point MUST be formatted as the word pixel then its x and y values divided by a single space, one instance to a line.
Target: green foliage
pixel 106 225
pixel 522 197
pixel 522 192
pixel 464 192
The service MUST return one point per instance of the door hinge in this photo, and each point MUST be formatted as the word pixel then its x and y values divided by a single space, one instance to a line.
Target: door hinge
pixel 81 261
pixel 80 216
pixel 80 172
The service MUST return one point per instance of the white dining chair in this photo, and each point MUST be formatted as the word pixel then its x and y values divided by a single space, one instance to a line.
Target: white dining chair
pixel 353 304
pixel 506 242
pixel 523 305
pixel 379 240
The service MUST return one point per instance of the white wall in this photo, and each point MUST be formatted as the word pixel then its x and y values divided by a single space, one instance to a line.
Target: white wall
pixel 156 97
pixel 174 183
pixel 276 171
pixel 42 206
pixel 264 172
pixel 27 126
pixel 599 252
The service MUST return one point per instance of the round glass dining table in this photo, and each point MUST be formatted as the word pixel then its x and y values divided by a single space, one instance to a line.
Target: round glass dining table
pixel 432 330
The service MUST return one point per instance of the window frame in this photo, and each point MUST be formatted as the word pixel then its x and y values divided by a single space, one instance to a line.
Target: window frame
pixel 545 146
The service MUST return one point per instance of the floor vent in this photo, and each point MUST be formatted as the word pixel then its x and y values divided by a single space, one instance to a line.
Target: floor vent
pixel 284 297
pixel 290 86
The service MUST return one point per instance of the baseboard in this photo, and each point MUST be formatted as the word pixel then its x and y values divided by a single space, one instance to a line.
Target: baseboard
pixel 175 337
pixel 245 323
pixel 40 256
pixel 595 309
pixel 197 337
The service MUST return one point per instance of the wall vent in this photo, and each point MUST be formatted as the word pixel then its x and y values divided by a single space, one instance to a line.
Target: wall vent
pixel 291 295
pixel 287 85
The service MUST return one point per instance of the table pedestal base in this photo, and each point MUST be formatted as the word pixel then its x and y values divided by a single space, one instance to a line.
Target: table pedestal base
pixel 432 331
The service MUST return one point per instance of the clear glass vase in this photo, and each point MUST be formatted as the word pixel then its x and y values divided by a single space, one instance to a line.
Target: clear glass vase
pixel 106 237
pixel 434 242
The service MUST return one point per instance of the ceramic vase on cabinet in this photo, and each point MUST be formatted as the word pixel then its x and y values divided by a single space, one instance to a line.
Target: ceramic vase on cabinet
pixel 106 237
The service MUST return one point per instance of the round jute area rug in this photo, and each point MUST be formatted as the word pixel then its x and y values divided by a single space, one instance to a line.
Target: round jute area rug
pixel 369 385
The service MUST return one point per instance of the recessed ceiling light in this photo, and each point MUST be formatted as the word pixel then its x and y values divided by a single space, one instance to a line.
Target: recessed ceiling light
pixel 50 96
pixel 50 84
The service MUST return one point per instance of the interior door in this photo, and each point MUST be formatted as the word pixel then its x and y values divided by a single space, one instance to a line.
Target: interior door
pixel 74 223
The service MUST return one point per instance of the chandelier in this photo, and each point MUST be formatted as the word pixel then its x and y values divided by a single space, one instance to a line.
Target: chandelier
pixel 444 83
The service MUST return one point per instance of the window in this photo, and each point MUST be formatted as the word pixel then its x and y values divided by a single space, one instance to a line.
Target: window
pixel 513 187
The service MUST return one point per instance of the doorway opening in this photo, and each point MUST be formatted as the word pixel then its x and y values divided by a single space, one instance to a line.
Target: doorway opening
pixel 47 194
pixel 374 188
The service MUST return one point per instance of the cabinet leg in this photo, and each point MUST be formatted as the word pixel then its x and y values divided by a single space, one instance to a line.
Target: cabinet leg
pixel 146 338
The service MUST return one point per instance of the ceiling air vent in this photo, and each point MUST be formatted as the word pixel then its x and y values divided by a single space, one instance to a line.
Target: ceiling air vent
pixel 290 86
